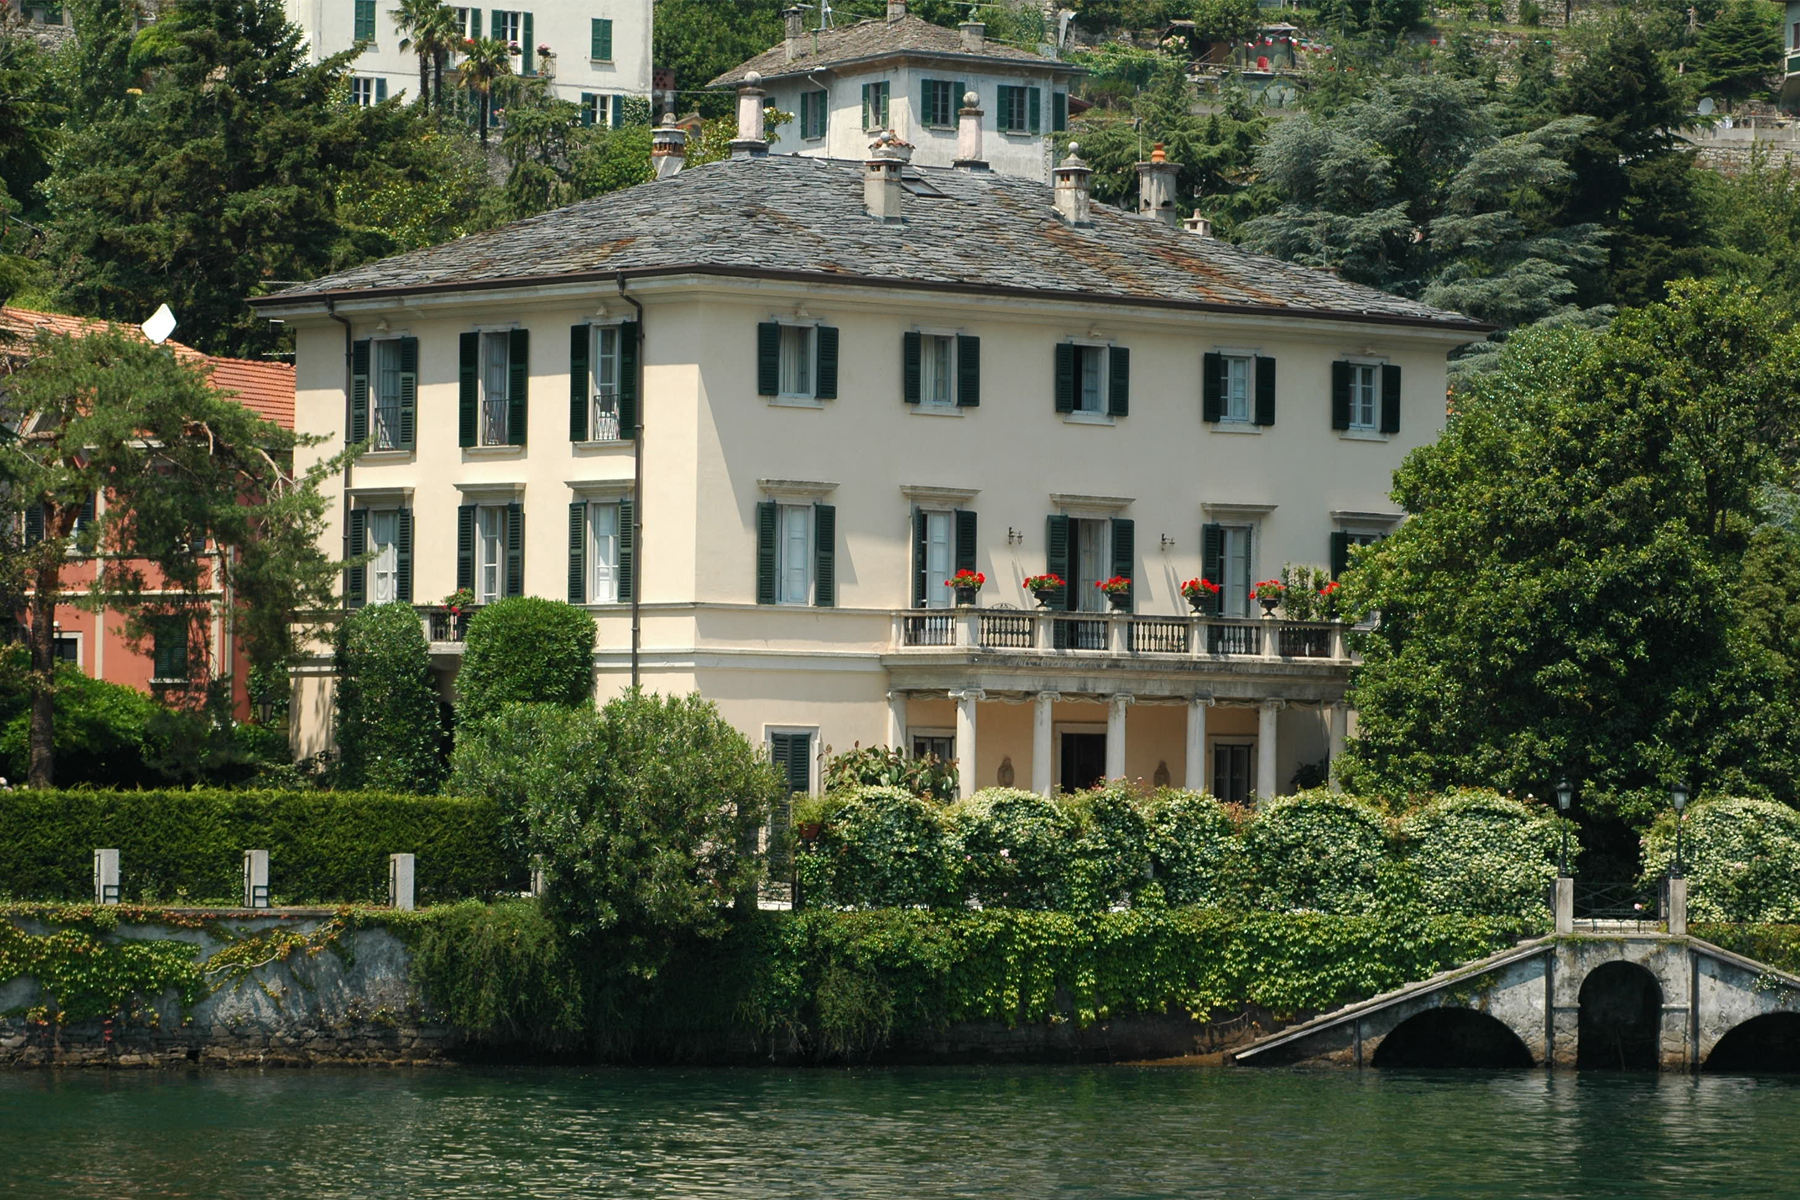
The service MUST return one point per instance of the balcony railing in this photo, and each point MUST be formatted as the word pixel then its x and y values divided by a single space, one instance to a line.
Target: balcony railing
pixel 442 625
pixel 1050 632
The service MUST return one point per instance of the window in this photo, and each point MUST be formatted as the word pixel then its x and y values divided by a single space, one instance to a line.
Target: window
pixel 1092 563
pixel 387 395
pixel 1090 393
pixel 600 39
pixel 1059 111
pixel 1237 388
pixel 365 21
pixel 1231 772
pixel 937 103
pixel 792 754
pixel 796 360
pixel 1093 379
pixel 796 546
pixel 1019 109
pixel 508 27
pixel 468 23
pixel 940 553
pixel 1365 397
pixel 874 106
pixel 812 115
pixel 169 649
pixel 490 553
pixel 593 109
pixel 496 363
pixel 606 384
pixel 366 92
pixel 382 538
pixel 937 370
pixel 1364 394
pixel 384 569
pixel 603 552
pixel 1237 379
pixel 1343 540
pixel 66 648
pixel 793 549
pixel 44 14
pixel 941 746
pixel 1234 576
pixel 941 370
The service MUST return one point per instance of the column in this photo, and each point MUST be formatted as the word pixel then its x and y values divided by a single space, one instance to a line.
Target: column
pixel 1042 731
pixel 897 721
pixel 1195 778
pixel 1339 714
pixel 965 741
pixel 401 869
pixel 1115 736
pixel 1266 784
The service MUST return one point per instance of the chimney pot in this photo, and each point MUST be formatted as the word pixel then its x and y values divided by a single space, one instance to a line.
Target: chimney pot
pixel 795 17
pixel 668 147
pixel 1073 199
pixel 750 142
pixel 968 135
pixel 1156 188
pixel 974 36
pixel 896 10
pixel 881 177
pixel 1197 224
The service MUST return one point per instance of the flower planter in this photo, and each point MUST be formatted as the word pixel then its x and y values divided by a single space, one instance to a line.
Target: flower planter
pixel 1199 604
pixel 965 596
pixel 1269 606
pixel 1045 595
pixel 1119 600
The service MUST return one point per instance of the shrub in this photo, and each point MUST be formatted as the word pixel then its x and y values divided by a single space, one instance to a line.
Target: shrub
pixel 1316 851
pixel 1195 849
pixel 99 731
pixel 1112 846
pixel 1016 846
pixel 884 766
pixel 324 847
pixel 886 848
pixel 642 815
pixel 526 650
pixel 388 734
pixel 1480 852
pixel 1741 858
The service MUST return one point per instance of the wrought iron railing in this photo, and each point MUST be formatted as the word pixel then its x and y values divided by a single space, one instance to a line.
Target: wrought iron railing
pixel 1618 902
pixel 1078 633
pixel 442 625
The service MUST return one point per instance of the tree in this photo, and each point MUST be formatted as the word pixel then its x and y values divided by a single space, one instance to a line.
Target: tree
pixel 526 650
pixel 1225 20
pixel 1567 597
pixel 643 816
pixel 429 29
pixel 387 729
pixel 485 60
pixel 1739 49
pixel 216 180
pixel 196 498
pixel 700 40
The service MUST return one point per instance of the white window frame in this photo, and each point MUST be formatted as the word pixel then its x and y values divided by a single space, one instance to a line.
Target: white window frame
pixel 799 350
pixel 57 637
pixel 785 511
pixel 598 112
pixel 1088 598
pixel 362 91
pixel 462 24
pixel 914 733
pixel 945 344
pixel 385 566
pixel 1010 96
pixel 492 415
pixel 482 545
pixel 822 105
pixel 1235 594
pixel 513 23
pixel 1369 370
pixel 603 411
pixel 1238 405
pixel 937 593
pixel 384 431
pixel 878 109
pixel 603 560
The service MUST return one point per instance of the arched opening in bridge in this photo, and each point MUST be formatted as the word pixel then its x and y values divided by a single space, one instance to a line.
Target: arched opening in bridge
pixel 1766 1043
pixel 1621 1019
pixel 1451 1037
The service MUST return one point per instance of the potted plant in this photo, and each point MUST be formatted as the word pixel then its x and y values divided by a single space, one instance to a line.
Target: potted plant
pixel 967 584
pixel 456 613
pixel 1328 600
pixel 1268 593
pixel 1118 591
pixel 1200 593
pixel 1044 587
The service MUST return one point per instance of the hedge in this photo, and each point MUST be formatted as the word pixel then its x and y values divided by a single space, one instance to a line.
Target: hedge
pixel 389 736
pixel 1741 857
pixel 526 650
pixel 187 846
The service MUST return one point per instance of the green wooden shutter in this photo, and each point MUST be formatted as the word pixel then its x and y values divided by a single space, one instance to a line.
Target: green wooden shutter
pixel 468 397
pixel 1265 390
pixel 1212 387
pixel 911 344
pixel 615 106
pixel 364 20
pixel 1212 564
pixel 956 101
pixel 518 383
pixel 926 114
pixel 497 24
pixel 1340 395
pixel 1118 381
pixel 34 524
pixel 919 559
pixel 966 549
pixel 766 516
pixel 1002 108
pixel 465 546
pixel 865 95
pixel 1065 377
pixel 768 358
pixel 629 332
pixel 600 39
pixel 968 371
pixel 1056 559
pixel 515 550
pixel 1059 111
pixel 587 108
pixel 359 391
pixel 1124 552
pixel 824 555
pixel 578 552
pixel 380 89
pixel 1034 101
pixel 825 380
pixel 792 755
pixel 1340 552
pixel 409 391
pixel 356 578
pixel 627 549
pixel 527 47
pixel 580 338
pixel 403 556
pixel 474 22
pixel 1390 398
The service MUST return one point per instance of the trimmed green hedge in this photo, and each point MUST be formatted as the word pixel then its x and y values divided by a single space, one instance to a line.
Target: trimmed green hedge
pixel 188 846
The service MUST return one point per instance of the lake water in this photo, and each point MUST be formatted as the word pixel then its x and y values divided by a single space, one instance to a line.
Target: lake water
pixel 1114 1132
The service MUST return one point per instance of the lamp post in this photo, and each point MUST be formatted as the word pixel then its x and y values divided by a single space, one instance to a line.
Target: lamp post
pixel 1565 795
pixel 1678 796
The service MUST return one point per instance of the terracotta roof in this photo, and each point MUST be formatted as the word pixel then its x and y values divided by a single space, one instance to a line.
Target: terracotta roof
pixel 267 388
pixel 781 216
pixel 879 38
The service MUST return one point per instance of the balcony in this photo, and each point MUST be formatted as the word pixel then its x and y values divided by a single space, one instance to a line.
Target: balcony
pixel 1046 632
pixel 442 625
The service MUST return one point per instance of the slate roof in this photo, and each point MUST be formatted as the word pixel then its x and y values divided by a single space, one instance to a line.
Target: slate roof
pixel 782 216
pixel 880 38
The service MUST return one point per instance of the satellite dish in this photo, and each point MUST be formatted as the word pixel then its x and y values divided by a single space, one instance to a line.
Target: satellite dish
pixel 1706 106
pixel 160 325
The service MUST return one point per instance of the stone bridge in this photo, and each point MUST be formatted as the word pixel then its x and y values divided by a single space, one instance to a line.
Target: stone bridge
pixel 1644 1000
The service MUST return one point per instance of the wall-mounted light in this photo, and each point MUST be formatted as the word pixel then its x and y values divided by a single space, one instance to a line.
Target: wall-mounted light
pixel 1167 541
pixel 1014 536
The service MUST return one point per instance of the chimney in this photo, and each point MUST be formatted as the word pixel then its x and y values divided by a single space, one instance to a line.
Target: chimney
pixel 1072 196
pixel 750 142
pixel 974 36
pixel 881 177
pixel 794 16
pixel 968 135
pixel 668 148
pixel 1156 188
pixel 896 11
pixel 1197 224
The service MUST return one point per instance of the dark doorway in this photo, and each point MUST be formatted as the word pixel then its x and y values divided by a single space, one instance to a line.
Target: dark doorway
pixel 1451 1037
pixel 1083 760
pixel 1621 1019
pixel 1762 1044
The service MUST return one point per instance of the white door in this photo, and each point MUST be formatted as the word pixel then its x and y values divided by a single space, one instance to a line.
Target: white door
pixel 940 536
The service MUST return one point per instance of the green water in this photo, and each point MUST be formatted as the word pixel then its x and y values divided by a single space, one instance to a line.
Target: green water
pixel 1115 1132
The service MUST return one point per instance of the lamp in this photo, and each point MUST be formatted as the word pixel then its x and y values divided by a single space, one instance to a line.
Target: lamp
pixel 1565 795
pixel 1678 796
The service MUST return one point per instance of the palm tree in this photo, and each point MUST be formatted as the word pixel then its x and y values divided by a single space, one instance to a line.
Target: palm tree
pixel 484 61
pixel 443 34
pixel 412 19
